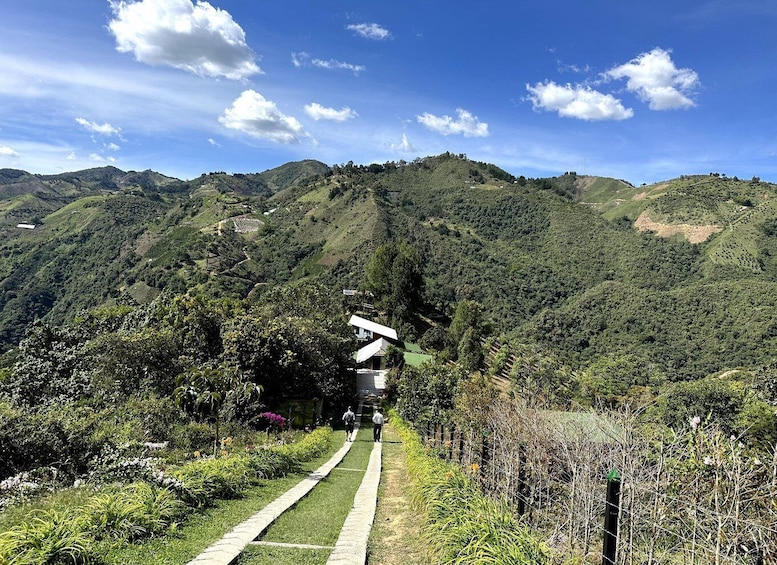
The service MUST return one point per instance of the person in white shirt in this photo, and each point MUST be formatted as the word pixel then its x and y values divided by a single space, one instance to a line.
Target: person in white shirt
pixel 377 425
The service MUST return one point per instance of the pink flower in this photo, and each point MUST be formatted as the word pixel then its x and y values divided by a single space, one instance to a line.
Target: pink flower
pixel 695 421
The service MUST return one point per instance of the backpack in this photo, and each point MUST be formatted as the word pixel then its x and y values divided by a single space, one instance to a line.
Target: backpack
pixel 349 418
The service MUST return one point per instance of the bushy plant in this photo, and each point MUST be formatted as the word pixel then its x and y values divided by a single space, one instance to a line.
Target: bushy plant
pixel 18 488
pixel 50 537
pixel 463 525
pixel 134 511
pixel 310 446
pixel 205 480
pixel 192 436
pixel 271 421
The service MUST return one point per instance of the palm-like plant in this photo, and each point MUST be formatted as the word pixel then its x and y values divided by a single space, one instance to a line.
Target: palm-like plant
pixel 203 391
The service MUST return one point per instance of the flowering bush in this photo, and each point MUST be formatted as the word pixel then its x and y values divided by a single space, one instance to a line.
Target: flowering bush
pixel 17 489
pixel 271 421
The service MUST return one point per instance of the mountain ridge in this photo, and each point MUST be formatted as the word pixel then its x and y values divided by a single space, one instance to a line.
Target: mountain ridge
pixel 529 250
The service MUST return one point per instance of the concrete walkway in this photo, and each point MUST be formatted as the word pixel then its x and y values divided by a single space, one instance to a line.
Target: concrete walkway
pixel 351 547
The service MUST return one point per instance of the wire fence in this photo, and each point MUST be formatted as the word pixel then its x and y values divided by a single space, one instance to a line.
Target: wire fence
pixel 694 497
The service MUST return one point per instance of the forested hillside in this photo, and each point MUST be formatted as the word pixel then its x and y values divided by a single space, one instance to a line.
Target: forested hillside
pixel 681 273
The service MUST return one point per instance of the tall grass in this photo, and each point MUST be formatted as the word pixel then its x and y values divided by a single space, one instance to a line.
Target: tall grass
pixel 462 524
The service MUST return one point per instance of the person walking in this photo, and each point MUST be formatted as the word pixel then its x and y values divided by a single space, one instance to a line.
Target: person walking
pixel 377 425
pixel 349 418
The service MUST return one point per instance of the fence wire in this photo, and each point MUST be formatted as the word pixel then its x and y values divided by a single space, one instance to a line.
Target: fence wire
pixel 696 497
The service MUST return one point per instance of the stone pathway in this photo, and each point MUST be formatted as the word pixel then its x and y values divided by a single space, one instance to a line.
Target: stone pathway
pixel 351 546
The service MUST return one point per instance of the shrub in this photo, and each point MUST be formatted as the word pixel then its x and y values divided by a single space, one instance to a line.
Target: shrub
pixel 204 480
pixel 463 525
pixel 191 436
pixel 49 537
pixel 134 511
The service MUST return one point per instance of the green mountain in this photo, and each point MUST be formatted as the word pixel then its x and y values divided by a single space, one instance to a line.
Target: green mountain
pixel 682 273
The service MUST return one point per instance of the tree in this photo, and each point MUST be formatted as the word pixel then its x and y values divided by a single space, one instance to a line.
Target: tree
pixel 203 392
pixel 394 274
pixel 293 357
pixel 427 392
pixel 466 331
pixel 50 367
pixel 617 379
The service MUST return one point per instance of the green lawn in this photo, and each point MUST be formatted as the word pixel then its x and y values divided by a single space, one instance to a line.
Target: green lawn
pixel 201 530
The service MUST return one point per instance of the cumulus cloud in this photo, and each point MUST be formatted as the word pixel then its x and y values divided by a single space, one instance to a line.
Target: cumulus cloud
pixel 102 129
pixel 319 112
pixel 112 147
pixel 654 77
pixel 197 38
pixel 466 124
pixel 404 145
pixel 6 151
pixel 370 31
pixel 577 102
pixel 213 142
pixel 253 114
pixel 303 59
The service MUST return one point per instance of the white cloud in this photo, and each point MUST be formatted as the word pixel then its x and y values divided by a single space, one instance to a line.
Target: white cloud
pixel 197 38
pixel 6 151
pixel 303 59
pixel 253 114
pixel 404 145
pixel 577 102
pixel 370 31
pixel 654 77
pixel 72 156
pixel 102 129
pixel 213 142
pixel 100 159
pixel 467 124
pixel 319 112
pixel 112 147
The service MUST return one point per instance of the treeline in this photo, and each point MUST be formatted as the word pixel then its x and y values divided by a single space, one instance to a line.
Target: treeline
pixel 114 374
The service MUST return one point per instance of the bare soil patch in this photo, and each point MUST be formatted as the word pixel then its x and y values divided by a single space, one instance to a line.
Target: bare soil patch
pixel 692 233
pixel 145 242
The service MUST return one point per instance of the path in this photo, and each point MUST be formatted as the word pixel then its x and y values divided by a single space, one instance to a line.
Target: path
pixel 351 546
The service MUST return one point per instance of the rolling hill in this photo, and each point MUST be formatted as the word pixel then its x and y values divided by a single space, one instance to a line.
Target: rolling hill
pixel 682 272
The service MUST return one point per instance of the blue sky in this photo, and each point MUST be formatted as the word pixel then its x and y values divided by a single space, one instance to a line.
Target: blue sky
pixel 643 91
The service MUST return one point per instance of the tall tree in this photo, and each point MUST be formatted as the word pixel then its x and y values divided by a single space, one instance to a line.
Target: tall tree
pixel 394 274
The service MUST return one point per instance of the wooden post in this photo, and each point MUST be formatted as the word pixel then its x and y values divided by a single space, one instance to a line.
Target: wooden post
pixel 611 509
pixel 521 479
pixel 485 454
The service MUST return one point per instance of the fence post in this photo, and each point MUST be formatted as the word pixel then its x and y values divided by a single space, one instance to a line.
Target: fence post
pixel 450 437
pixel 521 479
pixel 611 517
pixel 461 446
pixel 485 454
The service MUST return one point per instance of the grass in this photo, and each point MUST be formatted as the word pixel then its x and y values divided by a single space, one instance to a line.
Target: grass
pixel 262 554
pixel 318 518
pixel 203 529
pixel 396 538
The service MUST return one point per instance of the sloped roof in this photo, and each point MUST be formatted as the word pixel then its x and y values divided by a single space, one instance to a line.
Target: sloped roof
pixel 373 327
pixel 378 346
